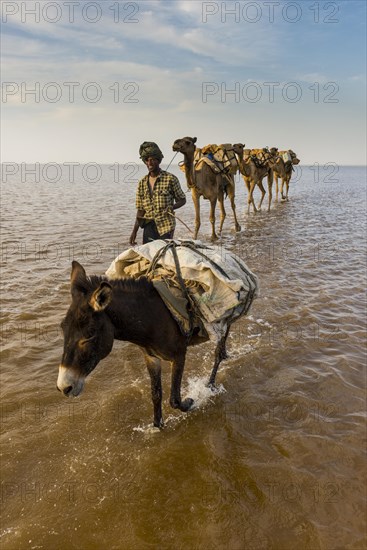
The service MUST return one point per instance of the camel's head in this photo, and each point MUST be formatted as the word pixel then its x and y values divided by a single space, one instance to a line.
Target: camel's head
pixel 238 148
pixel 288 156
pixel 295 160
pixel 185 145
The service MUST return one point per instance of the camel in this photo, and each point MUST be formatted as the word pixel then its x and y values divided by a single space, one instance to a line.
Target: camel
pixel 254 165
pixel 283 169
pixel 202 180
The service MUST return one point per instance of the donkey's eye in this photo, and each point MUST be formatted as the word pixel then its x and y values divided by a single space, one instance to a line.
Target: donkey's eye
pixel 84 341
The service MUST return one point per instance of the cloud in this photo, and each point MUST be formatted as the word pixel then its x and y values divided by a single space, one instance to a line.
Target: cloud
pixel 166 55
pixel 313 77
pixel 357 78
pixel 159 25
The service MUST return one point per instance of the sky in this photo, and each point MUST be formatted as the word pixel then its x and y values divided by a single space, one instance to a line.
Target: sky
pixel 90 81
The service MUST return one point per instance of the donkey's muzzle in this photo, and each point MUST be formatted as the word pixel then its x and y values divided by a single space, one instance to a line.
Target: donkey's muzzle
pixel 68 382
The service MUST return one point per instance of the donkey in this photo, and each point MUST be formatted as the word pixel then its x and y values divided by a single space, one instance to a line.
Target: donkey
pixel 102 310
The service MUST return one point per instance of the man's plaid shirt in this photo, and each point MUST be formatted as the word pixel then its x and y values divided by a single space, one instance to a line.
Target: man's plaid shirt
pixel 166 192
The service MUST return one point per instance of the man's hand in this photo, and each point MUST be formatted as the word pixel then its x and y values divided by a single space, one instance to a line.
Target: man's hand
pixel 134 232
pixel 179 203
pixel 132 239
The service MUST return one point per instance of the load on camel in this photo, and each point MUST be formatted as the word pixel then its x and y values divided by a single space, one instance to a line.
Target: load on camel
pixel 283 169
pixel 209 173
pixel 254 165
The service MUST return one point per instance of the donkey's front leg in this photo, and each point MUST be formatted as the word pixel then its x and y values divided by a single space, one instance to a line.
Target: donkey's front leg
pixel 177 370
pixel 154 369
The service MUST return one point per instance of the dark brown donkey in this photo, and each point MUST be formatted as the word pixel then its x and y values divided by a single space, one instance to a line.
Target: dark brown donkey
pixel 130 310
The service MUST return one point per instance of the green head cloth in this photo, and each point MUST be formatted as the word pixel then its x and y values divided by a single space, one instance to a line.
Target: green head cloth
pixel 150 149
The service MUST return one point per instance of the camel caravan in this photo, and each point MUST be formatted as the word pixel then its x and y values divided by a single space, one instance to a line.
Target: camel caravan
pixel 210 173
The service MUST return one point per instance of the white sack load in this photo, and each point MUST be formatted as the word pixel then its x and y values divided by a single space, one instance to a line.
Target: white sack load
pixel 220 286
pixel 287 157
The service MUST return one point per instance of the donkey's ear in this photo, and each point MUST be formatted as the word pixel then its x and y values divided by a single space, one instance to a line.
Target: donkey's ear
pixel 78 279
pixel 101 297
pixel 194 140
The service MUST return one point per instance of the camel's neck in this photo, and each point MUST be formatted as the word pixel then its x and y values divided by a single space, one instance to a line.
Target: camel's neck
pixel 189 169
pixel 242 165
pixel 282 169
pixel 288 168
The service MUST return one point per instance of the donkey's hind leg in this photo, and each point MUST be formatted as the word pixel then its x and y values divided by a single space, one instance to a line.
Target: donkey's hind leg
pixel 154 369
pixel 220 354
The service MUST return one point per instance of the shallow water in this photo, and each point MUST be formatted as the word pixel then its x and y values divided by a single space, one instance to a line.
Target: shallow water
pixel 273 460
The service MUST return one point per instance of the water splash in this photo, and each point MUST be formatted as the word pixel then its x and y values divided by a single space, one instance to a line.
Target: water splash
pixel 198 390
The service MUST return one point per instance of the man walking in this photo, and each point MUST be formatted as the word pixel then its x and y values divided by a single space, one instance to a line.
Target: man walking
pixel 159 193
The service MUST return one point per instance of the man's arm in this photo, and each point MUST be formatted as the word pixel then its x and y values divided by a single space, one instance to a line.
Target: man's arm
pixel 139 214
pixel 179 203
pixel 179 195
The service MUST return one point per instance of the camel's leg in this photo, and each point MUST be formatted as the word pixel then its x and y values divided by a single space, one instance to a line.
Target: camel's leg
pixel 281 188
pixel 287 181
pixel 247 183
pixel 196 200
pixel 213 203
pixel 250 199
pixel 177 371
pixel 222 210
pixel 276 187
pixel 154 369
pixel 261 187
pixel 220 354
pixel 270 188
pixel 231 194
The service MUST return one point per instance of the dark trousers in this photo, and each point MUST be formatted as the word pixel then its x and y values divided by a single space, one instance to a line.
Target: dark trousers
pixel 150 233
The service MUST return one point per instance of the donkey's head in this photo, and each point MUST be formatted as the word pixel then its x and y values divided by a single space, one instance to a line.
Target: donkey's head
pixel 88 331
